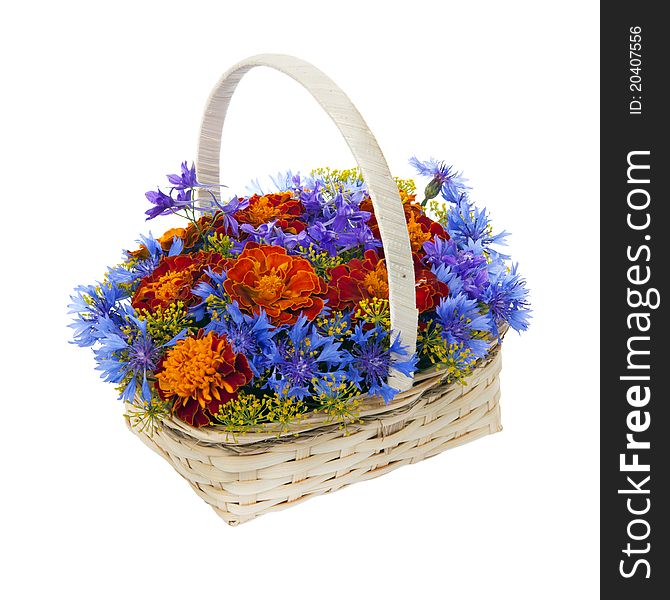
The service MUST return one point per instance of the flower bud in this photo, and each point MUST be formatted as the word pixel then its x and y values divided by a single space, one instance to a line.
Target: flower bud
pixel 432 190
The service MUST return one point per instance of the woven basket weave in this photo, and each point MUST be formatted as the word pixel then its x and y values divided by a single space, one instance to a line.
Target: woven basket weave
pixel 263 470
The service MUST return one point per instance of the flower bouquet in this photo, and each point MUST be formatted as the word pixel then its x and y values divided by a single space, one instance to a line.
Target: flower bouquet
pixel 316 331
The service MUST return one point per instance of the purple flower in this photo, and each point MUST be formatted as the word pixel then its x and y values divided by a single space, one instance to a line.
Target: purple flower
pixel 373 358
pixel 323 238
pixel 301 357
pixel 249 334
pixel 347 215
pixel 165 204
pixel 462 270
pixel 229 210
pixel 186 180
pixel 438 251
pixel 359 237
pixel 312 200
pixel 269 233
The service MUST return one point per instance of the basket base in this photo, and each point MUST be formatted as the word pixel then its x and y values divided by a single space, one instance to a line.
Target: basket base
pixel 241 486
pixel 234 520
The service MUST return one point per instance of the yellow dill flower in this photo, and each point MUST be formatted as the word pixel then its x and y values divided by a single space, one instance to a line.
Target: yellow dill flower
pixel 164 323
pixel 440 210
pixel 338 399
pixel 321 261
pixel 405 185
pixel 375 311
pixel 334 179
pixel 243 413
pixel 219 243
pixel 147 417
pixel 336 325
pixel 455 360
pixel 285 411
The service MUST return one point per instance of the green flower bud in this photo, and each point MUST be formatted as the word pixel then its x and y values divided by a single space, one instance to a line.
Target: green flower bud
pixel 432 190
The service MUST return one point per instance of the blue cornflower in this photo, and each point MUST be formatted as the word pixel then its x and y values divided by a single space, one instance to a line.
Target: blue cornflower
pixel 212 294
pixel 127 354
pixel 283 182
pixel 252 335
pixel 507 298
pixel 91 304
pixel 373 358
pixel 445 180
pixel 467 224
pixel 461 270
pixel 472 282
pixel 439 250
pixel 462 323
pixel 300 357
pixel 134 269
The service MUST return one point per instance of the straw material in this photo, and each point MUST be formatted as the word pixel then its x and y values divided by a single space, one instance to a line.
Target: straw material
pixel 254 474
pixel 265 470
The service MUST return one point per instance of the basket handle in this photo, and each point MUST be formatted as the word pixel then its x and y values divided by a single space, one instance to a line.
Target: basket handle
pixel 374 169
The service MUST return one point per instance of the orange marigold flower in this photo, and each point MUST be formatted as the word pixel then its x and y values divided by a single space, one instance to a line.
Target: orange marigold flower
pixel 281 207
pixel 367 279
pixel 188 235
pixel 266 277
pixel 174 279
pixel 199 375
pixel 420 227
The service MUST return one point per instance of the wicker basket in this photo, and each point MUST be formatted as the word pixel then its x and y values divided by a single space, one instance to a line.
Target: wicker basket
pixel 260 471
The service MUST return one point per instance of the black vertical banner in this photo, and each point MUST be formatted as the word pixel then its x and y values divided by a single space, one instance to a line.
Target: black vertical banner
pixel 635 345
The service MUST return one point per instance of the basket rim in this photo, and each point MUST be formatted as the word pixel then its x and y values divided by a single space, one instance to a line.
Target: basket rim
pixel 371 407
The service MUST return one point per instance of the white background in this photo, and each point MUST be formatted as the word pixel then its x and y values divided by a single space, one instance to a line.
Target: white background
pixel 99 101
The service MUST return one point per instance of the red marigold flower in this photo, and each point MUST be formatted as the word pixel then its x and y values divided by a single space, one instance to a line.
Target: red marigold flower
pixel 366 279
pixel 198 375
pixel 282 208
pixel 420 227
pixel 266 277
pixel 357 280
pixel 174 279
pixel 429 289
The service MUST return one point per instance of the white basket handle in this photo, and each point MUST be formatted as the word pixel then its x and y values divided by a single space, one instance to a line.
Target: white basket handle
pixel 376 174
